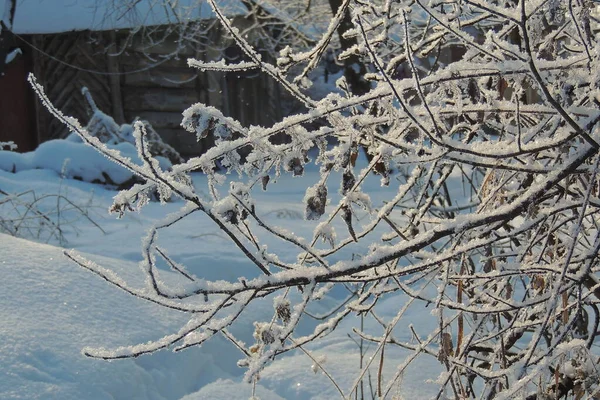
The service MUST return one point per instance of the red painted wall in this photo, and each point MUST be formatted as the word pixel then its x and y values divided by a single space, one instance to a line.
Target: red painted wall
pixel 17 109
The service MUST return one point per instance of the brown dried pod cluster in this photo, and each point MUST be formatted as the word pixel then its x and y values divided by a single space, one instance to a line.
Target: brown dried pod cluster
pixel 316 200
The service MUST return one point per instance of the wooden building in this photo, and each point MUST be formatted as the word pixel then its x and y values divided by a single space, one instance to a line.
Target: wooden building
pixel 129 77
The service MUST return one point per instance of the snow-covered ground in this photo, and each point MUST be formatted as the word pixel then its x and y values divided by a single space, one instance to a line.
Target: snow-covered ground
pixel 50 308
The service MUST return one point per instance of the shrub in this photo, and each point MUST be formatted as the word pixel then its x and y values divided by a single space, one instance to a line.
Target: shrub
pixel 483 116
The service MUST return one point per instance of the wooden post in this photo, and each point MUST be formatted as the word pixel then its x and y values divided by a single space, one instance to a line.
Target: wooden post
pixel 40 130
pixel 114 80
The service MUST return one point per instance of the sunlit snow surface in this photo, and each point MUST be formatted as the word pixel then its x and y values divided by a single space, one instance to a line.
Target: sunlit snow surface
pixel 50 309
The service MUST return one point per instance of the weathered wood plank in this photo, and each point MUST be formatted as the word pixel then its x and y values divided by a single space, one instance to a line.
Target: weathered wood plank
pixel 171 77
pixel 158 119
pixel 158 99
pixel 165 46
pixel 37 61
pixel 114 81
pixel 184 142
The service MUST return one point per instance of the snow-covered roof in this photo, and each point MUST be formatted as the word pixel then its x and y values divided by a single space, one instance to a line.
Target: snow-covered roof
pixel 54 16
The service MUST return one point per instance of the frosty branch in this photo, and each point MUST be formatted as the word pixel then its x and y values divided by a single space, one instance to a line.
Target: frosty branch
pixel 481 127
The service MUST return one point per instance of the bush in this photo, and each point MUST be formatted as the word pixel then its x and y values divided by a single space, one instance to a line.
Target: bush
pixel 45 217
pixel 42 217
pixel 483 116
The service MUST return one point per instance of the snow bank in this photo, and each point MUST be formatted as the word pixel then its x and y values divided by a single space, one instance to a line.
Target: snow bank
pixel 50 309
pixel 230 390
pixel 74 160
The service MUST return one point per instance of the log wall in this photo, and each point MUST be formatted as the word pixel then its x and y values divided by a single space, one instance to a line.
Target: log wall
pixel 130 79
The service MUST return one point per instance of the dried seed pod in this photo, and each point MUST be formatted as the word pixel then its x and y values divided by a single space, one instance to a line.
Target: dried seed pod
pixel 349 158
pixel 353 157
pixel 348 181
pixel 581 324
pixel 120 209
pixel 414 231
pixel 446 347
pixel 295 166
pixel 473 91
pixel 267 336
pixel 538 282
pixel 508 291
pixel 265 181
pixel 265 332
pixel 254 349
pixel 382 169
pixel 231 216
pixel 283 311
pixel 315 199
pixel 490 265
pixel 347 217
